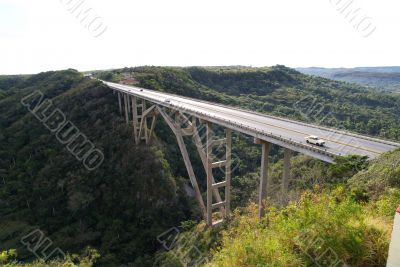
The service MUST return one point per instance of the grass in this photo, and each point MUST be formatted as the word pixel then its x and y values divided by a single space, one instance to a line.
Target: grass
pixel 324 228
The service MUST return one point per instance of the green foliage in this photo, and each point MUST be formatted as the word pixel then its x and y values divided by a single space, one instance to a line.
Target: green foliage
pixel 387 203
pixel 190 248
pixel 5 256
pixel 302 233
pixel 383 172
pixel 87 259
pixel 237 81
pixel 138 192
pixel 110 76
pixel 119 208
pixel 346 166
pixel 187 225
pixel 322 227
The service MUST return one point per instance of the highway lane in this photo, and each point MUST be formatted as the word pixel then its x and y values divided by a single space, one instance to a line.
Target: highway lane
pixel 337 142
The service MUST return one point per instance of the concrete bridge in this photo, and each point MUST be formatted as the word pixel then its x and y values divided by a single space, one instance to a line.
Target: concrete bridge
pixel 192 117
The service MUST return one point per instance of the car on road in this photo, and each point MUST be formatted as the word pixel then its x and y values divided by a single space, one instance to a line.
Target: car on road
pixel 141 90
pixel 315 140
pixel 167 100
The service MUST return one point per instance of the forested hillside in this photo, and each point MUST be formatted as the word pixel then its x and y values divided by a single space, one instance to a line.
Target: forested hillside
pixel 118 208
pixel 112 215
pixel 279 91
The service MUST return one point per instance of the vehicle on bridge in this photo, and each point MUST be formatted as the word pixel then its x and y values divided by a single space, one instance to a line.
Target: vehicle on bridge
pixel 265 129
pixel 315 140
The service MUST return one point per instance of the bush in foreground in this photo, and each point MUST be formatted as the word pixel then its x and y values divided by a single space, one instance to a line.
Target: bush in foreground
pixel 322 229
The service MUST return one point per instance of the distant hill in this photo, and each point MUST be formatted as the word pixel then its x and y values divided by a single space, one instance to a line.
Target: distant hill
pixel 383 78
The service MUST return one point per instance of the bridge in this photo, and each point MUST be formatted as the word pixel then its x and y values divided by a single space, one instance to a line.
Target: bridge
pixel 198 119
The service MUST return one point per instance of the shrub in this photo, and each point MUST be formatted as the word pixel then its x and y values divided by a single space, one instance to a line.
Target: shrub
pixel 323 228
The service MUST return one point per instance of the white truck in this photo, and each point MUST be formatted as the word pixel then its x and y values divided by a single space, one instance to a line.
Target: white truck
pixel 315 140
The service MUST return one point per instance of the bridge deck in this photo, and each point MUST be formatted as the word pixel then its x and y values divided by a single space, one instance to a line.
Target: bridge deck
pixel 280 131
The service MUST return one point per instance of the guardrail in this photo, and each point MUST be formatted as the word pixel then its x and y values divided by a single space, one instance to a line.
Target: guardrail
pixel 346 132
pixel 235 126
pixel 264 133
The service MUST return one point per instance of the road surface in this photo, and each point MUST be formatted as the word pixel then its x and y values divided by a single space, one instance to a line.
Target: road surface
pixel 280 131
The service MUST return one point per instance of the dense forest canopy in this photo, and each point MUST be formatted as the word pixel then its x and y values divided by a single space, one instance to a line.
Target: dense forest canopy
pixel 119 208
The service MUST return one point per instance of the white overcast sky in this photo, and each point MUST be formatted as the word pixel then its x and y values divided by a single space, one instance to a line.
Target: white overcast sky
pixel 43 35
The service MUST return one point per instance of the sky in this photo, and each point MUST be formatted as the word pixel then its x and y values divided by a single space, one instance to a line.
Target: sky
pixel 85 35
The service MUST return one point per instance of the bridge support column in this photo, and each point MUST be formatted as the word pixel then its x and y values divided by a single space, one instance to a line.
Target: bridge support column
pixel 143 123
pixel 178 131
pixel 213 186
pixel 286 175
pixel 144 131
pixel 228 172
pixel 209 174
pixel 129 104
pixel 139 119
pixel 175 121
pixel 203 157
pixel 126 108
pixel 119 102
pixel 135 119
pixel 264 178
pixel 153 125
